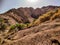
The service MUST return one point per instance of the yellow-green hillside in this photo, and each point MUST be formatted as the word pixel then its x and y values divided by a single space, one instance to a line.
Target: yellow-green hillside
pixel 49 16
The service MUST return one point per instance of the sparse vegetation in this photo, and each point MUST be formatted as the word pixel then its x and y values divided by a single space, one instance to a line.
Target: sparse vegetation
pixel 12 27
pixel 1 20
pixel 18 26
pixel 53 14
pixel 3 26
pixel 12 32
pixel 21 26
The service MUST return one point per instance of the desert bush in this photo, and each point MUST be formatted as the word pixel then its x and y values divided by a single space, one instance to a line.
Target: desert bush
pixel 27 24
pixel 21 26
pixel 12 27
pixel 18 26
pixel 1 20
pixel 3 26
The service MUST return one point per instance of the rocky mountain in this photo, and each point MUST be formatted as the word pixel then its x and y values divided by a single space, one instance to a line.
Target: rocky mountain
pixel 29 26
pixel 27 15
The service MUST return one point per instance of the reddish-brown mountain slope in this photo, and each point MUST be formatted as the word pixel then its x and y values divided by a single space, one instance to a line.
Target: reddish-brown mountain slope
pixel 28 26
pixel 26 15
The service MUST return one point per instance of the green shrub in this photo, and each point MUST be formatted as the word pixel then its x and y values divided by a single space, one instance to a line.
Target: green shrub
pixel 12 27
pixel 27 24
pixel 3 26
pixel 18 26
pixel 21 26
pixel 1 20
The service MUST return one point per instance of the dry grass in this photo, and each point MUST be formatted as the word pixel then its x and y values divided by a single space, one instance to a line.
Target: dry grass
pixel 49 16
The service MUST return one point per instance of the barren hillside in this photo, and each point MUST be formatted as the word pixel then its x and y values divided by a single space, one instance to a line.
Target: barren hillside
pixel 28 26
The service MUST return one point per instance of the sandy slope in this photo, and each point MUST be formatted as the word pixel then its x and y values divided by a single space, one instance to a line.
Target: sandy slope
pixel 47 33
